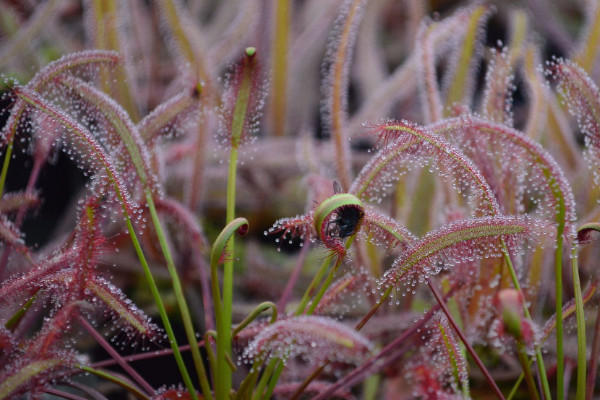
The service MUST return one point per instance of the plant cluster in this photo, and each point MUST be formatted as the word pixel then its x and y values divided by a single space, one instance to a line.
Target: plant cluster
pixel 449 183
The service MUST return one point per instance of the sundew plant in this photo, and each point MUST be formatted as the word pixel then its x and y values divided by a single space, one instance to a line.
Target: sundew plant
pixel 319 199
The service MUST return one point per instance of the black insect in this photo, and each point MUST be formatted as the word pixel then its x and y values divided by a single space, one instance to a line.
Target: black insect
pixel 345 222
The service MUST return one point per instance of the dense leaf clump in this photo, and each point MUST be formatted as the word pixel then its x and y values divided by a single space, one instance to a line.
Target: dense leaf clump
pixel 445 187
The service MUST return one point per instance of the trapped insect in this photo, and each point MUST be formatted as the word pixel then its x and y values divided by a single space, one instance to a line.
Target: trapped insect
pixel 347 218
pixel 346 221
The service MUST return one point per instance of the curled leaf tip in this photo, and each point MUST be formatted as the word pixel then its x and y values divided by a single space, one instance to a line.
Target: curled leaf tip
pixel 589 232
pixel 242 230
pixel 239 225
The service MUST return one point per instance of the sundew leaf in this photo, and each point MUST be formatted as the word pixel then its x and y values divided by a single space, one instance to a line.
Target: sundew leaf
pixel 11 235
pixel 433 40
pixel 22 374
pixel 85 284
pixel 46 358
pixel 53 333
pixel 81 143
pixel 335 218
pixel 499 86
pixel 71 265
pixel 382 230
pixel 401 84
pixel 461 79
pixel 519 162
pixel 463 241
pixel 171 115
pixel 582 97
pixel 588 233
pixel 81 63
pixel 176 23
pixel 18 288
pixel 318 339
pixel 186 41
pixel 117 120
pixel 439 37
pixel 499 79
pixel 108 26
pixel 23 40
pixel 339 55
pixel 429 91
pixel 299 226
pixel 132 320
pixel 243 100
pixel 537 92
pixel 11 202
pixel 448 349
pixel 408 145
pixel 397 87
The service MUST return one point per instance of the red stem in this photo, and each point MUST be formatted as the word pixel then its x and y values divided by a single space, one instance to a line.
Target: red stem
pixel 143 356
pixel 91 392
pixel 390 352
pixel 117 357
pixel 64 395
pixel 460 334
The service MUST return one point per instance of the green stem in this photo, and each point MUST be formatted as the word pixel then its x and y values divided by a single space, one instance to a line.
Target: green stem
pixel 313 284
pixel 328 280
pixel 323 289
pixel 274 380
pixel 245 389
pixel 560 391
pixel 219 370
pixel 211 355
pixel 162 311
pixel 524 360
pixel 513 391
pixel 181 302
pixel 264 379
pixel 223 380
pixel 538 353
pixel 212 362
pixel 581 345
